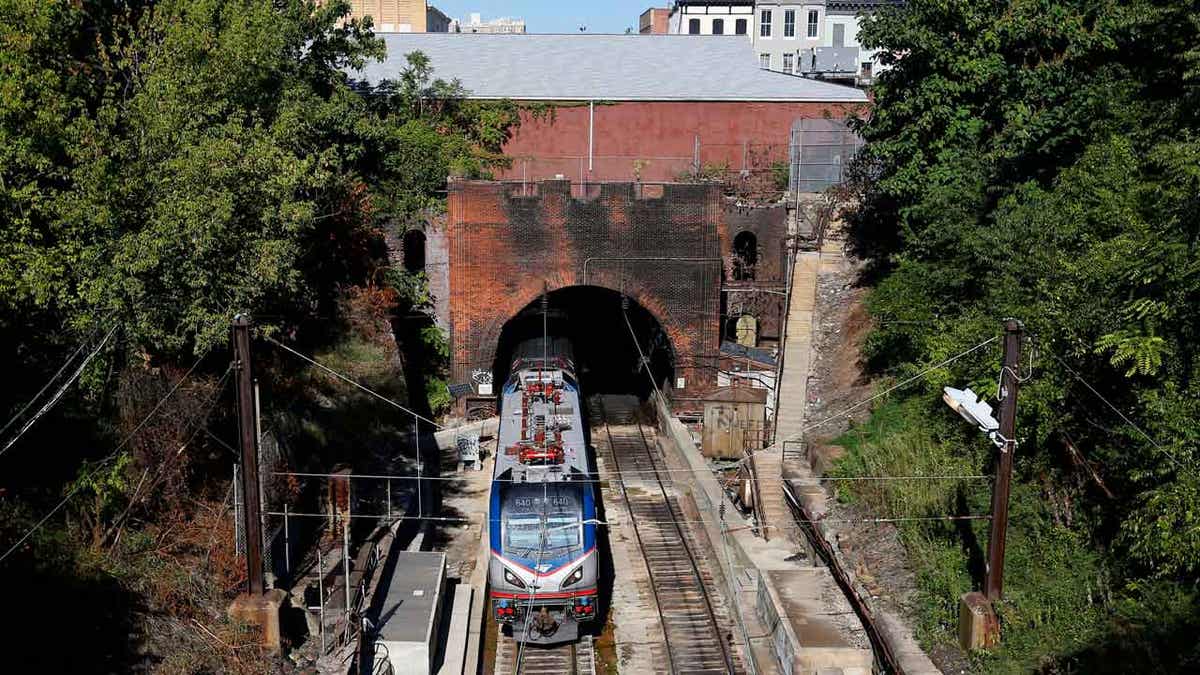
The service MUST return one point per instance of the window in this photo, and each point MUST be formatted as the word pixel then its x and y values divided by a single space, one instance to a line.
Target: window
pixel 523 532
pixel 789 23
pixel 739 27
pixel 813 17
pixel 787 63
pixel 693 26
pixel 745 254
pixel 866 69
pixel 562 531
pixel 718 27
pixel 764 61
pixel 764 23
pixel 839 35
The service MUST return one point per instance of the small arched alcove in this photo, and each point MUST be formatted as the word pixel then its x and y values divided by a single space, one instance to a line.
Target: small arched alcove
pixel 745 256
pixel 414 251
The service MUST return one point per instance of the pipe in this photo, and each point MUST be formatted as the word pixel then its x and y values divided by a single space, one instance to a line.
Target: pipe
pixel 591 132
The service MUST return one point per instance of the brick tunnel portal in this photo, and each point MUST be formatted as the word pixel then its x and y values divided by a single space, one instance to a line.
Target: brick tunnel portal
pixel 594 319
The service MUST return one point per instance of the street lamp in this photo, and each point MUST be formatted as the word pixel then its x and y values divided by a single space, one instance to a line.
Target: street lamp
pixel 975 411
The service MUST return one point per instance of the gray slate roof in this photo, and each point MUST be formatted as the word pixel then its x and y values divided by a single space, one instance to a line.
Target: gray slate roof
pixel 603 67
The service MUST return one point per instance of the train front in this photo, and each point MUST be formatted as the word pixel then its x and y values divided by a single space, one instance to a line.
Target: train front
pixel 544 564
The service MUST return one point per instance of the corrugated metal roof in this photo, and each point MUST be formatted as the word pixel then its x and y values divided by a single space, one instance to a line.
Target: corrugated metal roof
pixel 603 67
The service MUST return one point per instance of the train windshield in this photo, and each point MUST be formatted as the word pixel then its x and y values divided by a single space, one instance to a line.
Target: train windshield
pixel 542 520
pixel 523 532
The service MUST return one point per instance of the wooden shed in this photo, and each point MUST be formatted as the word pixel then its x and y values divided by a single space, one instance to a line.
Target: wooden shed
pixel 734 422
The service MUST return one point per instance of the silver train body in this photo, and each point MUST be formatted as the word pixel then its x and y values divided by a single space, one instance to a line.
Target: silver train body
pixel 543 568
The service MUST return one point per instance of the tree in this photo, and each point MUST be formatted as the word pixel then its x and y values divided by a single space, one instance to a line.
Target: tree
pixel 1038 159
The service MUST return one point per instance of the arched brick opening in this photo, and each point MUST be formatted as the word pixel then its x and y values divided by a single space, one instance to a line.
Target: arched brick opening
pixel 510 243
pixel 610 332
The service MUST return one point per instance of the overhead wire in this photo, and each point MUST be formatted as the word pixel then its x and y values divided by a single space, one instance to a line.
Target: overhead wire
pixel 169 461
pixel 1117 410
pixel 49 383
pixel 57 395
pixel 351 381
pixel 601 478
pixel 463 519
pixel 102 463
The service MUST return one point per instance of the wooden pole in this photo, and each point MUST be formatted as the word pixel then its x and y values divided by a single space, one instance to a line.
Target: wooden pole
pixel 248 434
pixel 1010 384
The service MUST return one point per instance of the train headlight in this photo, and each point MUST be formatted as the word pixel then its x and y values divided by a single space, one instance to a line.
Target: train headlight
pixel 513 579
pixel 573 578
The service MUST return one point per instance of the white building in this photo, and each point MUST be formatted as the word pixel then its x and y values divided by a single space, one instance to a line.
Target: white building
pixel 476 24
pixel 817 38
pixel 701 17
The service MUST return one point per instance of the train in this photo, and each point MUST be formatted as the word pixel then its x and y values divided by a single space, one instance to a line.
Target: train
pixel 543 570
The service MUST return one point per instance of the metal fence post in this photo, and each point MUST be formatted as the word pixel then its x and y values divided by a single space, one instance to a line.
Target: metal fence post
pixel 287 543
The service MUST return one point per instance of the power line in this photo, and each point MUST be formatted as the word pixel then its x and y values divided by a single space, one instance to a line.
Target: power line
pixel 99 465
pixel 348 380
pixel 57 395
pixel 799 434
pixel 464 519
pixel 601 478
pixel 1114 408
pixel 169 461
pixel 49 383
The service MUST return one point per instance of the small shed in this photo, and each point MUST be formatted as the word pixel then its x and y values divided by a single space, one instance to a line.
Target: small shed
pixel 407 628
pixel 734 422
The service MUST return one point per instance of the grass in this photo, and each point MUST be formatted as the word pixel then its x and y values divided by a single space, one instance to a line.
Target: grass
pixel 1055 604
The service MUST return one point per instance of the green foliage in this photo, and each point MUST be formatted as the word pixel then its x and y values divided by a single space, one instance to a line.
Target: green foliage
pixel 173 163
pixel 780 175
pixel 1039 159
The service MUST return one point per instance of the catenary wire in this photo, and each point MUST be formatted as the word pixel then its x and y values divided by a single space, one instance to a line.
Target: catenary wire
pixel 464 519
pixel 57 395
pixel 1115 409
pixel 846 411
pixel 348 380
pixel 99 465
pixel 49 383
pixel 617 480
pixel 169 461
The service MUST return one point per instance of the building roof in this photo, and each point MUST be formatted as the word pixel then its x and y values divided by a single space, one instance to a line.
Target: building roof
pixel 740 351
pixel 602 67
pixel 861 5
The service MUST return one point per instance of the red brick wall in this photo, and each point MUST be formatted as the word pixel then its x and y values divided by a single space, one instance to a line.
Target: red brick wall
pixel 506 249
pixel 660 136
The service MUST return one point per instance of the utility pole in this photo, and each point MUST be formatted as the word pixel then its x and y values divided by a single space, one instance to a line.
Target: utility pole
pixel 248 434
pixel 1010 384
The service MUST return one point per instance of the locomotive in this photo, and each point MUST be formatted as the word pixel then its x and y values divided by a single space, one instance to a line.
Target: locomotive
pixel 543 567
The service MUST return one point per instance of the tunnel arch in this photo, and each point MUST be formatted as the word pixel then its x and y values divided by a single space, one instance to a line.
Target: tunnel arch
pixel 414 250
pixel 594 318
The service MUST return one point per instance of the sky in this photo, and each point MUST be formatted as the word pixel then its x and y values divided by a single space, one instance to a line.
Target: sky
pixel 547 16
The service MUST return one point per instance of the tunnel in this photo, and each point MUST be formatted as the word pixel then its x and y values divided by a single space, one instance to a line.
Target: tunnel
pixel 606 355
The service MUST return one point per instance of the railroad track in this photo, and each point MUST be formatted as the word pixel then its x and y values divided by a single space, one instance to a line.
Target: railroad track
pixel 680 584
pixel 573 659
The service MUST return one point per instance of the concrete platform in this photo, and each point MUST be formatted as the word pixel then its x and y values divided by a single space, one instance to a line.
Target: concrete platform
pixel 407 626
pixel 827 639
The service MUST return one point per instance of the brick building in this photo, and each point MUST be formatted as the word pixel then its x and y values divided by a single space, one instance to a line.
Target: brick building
pixel 629 107
pixel 401 16
pixel 610 206
pixel 653 21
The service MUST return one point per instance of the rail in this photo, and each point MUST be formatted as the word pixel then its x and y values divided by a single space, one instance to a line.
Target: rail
pixel 885 659
pixel 672 655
